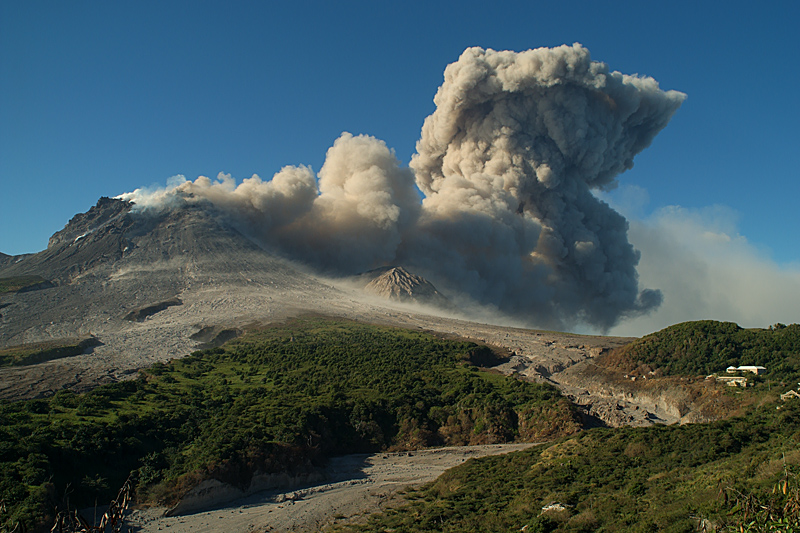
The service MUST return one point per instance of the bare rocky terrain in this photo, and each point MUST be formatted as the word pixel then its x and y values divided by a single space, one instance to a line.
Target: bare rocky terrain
pixel 397 284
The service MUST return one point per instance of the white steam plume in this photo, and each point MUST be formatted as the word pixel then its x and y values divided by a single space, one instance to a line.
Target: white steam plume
pixel 506 163
pixel 709 271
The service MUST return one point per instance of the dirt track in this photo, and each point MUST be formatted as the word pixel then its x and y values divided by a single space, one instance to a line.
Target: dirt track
pixel 353 486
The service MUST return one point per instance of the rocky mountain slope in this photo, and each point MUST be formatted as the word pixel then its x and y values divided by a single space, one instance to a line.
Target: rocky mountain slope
pixel 178 271
pixel 398 284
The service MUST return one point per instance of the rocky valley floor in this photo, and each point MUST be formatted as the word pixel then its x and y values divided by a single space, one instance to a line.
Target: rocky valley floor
pixel 350 488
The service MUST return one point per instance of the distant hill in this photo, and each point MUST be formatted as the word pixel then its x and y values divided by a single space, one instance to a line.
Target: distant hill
pixel 398 284
pixel 708 346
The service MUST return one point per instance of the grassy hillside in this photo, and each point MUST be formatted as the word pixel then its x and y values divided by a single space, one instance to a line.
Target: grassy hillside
pixel 705 347
pixel 662 478
pixel 281 399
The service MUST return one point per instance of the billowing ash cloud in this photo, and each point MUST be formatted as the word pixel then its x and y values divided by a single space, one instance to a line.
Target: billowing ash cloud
pixel 506 164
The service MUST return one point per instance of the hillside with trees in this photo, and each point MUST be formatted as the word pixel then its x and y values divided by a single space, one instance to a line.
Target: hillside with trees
pixel 736 474
pixel 282 399
pixel 287 398
pixel 733 475
pixel 707 346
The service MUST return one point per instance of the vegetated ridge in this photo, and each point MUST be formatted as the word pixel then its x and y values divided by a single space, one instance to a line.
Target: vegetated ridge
pixel 30 354
pixel 736 472
pixel 733 475
pixel 22 283
pixel 707 347
pixel 279 400
pixel 671 375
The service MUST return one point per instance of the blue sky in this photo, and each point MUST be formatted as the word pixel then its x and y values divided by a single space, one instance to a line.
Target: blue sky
pixel 100 98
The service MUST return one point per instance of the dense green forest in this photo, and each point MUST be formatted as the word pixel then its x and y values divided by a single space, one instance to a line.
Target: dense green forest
pixel 280 399
pixel 729 474
pixel 707 346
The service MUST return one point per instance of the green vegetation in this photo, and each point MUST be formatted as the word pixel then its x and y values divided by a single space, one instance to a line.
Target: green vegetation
pixel 19 283
pixel 280 399
pixel 30 354
pixel 705 347
pixel 662 478
pixel 287 398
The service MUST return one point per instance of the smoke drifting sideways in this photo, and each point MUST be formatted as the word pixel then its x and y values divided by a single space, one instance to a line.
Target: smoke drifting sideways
pixel 506 165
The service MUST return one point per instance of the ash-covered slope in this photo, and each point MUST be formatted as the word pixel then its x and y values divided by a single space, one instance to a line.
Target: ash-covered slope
pixel 88 240
pixel 398 284
pixel 115 261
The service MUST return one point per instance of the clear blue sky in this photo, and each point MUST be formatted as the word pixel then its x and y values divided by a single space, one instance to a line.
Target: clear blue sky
pixel 99 98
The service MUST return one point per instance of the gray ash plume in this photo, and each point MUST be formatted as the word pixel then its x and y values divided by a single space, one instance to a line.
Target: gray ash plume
pixel 506 163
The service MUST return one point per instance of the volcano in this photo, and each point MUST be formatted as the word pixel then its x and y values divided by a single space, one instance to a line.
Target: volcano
pixel 114 260
pixel 131 286
pixel 144 283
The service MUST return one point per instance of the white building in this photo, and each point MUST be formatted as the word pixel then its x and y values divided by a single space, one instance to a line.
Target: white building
pixel 757 370
pixel 733 381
